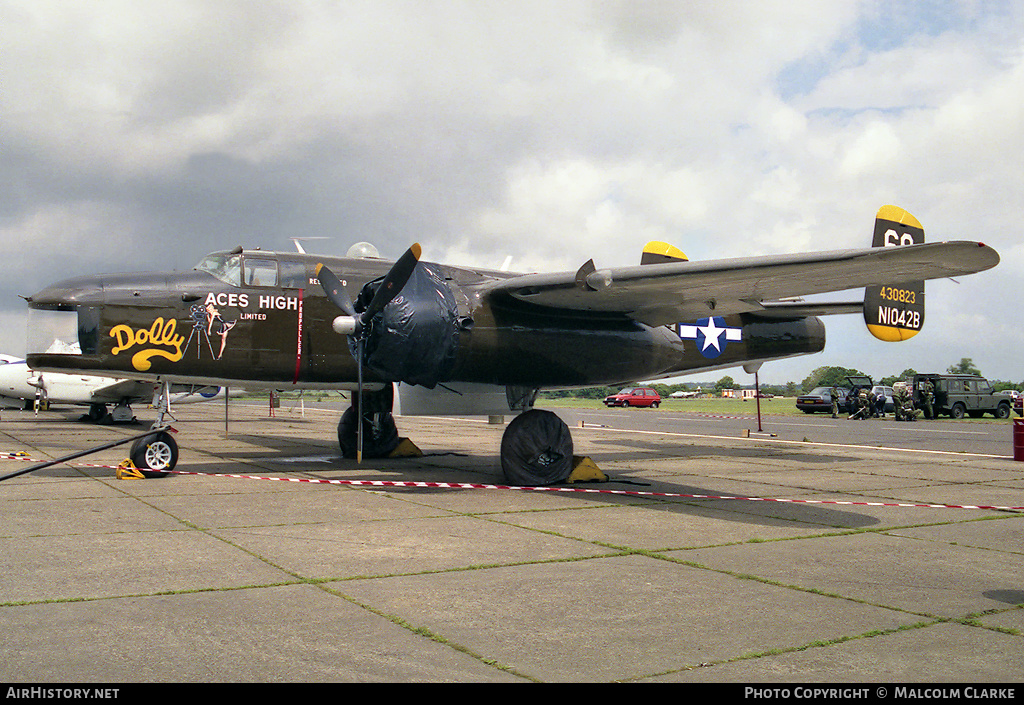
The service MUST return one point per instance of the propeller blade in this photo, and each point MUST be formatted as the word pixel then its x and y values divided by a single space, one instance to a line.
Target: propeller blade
pixel 334 289
pixel 393 283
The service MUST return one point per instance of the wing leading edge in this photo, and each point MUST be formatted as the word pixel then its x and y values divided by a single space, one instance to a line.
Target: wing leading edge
pixel 113 391
pixel 660 294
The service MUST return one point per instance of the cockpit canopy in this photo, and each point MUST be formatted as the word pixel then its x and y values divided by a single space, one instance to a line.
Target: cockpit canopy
pixel 241 269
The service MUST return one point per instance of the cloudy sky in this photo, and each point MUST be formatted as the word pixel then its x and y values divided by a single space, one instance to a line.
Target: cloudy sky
pixel 139 135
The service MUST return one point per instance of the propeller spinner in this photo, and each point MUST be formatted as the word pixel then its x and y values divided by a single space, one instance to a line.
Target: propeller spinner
pixel 353 323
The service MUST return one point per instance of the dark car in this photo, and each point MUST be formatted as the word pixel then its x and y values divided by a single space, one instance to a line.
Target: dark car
pixel 820 399
pixel 634 396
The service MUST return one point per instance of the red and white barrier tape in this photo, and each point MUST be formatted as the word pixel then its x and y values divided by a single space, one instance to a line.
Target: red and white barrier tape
pixel 588 490
pixel 549 488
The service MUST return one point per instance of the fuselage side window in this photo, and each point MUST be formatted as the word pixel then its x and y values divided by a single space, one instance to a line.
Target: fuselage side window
pixel 259 271
pixel 294 274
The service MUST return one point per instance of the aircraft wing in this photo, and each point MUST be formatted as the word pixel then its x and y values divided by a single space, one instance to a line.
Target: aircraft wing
pixel 119 389
pixel 661 294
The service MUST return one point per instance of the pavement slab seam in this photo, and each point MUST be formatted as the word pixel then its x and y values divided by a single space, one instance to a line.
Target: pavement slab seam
pixel 430 635
pixel 817 644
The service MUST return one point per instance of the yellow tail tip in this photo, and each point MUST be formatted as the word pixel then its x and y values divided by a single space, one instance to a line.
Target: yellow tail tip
pixel 899 215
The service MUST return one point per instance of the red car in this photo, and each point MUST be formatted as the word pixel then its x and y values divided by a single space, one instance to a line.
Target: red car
pixel 634 396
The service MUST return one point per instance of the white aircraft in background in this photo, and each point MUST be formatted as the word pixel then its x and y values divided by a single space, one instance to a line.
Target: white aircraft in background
pixel 684 395
pixel 23 387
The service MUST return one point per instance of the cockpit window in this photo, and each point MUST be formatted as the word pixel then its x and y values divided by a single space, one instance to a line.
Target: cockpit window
pixel 227 268
pixel 259 271
pixel 53 331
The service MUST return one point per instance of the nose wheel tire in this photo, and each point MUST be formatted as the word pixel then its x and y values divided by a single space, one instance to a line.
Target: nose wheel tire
pixel 155 455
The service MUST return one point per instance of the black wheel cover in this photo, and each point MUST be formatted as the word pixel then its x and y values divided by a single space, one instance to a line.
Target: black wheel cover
pixel 376 443
pixel 536 449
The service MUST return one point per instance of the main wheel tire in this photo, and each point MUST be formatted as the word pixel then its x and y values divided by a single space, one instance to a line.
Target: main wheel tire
pixel 155 455
pixel 958 411
pixel 1002 411
pixel 536 449
pixel 378 441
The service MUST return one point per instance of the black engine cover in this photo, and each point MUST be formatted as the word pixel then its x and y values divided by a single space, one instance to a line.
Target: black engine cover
pixel 415 337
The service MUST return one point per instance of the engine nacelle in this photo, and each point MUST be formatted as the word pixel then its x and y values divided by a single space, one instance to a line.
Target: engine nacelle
pixel 414 339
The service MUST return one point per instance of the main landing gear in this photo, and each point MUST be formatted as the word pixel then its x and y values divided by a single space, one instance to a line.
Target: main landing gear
pixel 536 449
pixel 380 433
pixel 98 413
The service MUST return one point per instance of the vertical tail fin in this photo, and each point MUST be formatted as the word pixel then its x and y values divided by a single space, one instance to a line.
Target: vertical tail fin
pixel 895 312
pixel 656 252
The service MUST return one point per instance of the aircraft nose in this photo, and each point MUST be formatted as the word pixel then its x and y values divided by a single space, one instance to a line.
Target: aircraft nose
pixel 69 292
pixel 144 289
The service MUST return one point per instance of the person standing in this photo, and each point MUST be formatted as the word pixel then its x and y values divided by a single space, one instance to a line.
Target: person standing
pixel 928 399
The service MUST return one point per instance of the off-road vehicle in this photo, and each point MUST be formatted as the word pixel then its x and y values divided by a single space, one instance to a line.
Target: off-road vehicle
pixel 958 395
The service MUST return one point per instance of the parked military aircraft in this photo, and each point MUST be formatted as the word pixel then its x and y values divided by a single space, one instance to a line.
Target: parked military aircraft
pixel 22 386
pixel 470 341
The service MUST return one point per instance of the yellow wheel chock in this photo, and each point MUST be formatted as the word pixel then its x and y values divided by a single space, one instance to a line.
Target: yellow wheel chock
pixel 127 471
pixel 406 449
pixel 585 470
